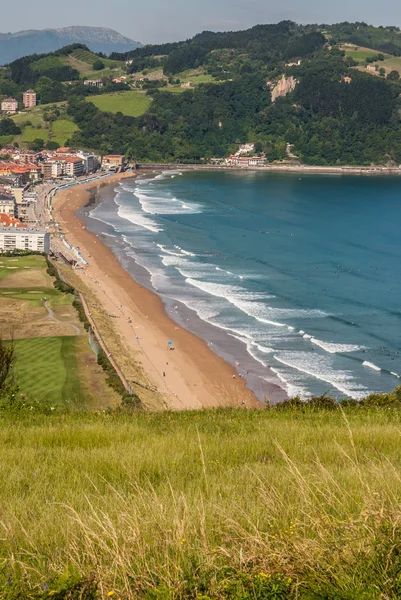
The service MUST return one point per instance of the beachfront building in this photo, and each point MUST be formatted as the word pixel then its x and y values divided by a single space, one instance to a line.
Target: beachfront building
pixel 9 106
pixel 73 166
pixel 29 99
pixel 90 161
pixel 113 162
pixel 15 238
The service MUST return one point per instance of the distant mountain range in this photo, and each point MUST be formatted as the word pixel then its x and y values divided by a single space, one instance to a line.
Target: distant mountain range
pixel 35 41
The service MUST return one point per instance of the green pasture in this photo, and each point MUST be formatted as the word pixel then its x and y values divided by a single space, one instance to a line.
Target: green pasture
pixel 130 103
pixel 391 64
pixel 29 134
pixel 46 368
pixel 6 139
pixel 62 130
pixel 359 54
pixel 32 116
pixel 194 78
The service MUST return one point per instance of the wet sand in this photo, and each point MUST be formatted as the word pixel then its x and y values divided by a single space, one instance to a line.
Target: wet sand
pixel 189 377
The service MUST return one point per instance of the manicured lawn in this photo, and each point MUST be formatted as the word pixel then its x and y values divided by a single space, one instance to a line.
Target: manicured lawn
pixel 46 369
pixel 129 103
pixel 35 295
pixel 62 131
pixel 13 265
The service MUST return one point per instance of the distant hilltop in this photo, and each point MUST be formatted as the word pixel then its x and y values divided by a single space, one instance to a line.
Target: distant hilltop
pixel 35 41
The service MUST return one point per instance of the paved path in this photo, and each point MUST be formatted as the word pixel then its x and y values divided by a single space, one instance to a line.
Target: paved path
pixel 53 318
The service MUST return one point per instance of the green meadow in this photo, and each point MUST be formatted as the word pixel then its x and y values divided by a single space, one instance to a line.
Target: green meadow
pixel 130 103
pixel 269 504
pixel 62 130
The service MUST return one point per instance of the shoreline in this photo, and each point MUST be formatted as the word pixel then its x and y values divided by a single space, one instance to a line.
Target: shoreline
pixel 284 168
pixel 191 377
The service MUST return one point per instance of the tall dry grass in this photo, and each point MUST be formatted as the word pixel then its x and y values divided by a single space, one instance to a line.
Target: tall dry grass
pixel 218 504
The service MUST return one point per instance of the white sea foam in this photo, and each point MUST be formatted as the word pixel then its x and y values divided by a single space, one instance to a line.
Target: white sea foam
pixel 320 367
pixel 395 375
pixel 371 365
pixel 163 205
pixel 291 389
pixel 136 218
pixel 333 348
pixel 164 249
pixel 301 332
pixel 307 336
pixel 184 251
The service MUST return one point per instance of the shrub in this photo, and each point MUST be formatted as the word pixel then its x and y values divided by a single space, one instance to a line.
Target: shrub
pixel 98 65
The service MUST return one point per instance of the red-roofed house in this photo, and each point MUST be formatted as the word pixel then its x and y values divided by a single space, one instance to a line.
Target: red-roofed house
pixel 8 221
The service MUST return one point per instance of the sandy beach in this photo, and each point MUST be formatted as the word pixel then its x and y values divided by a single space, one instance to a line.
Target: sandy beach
pixel 189 377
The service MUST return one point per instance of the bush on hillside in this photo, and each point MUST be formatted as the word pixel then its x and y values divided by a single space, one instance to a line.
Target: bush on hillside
pixel 98 65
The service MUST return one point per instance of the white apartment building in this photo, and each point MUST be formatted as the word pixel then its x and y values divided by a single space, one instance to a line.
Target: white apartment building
pixel 8 206
pixel 91 162
pixel 9 105
pixel 23 239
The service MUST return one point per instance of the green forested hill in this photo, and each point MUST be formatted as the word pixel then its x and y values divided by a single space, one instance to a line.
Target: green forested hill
pixel 343 106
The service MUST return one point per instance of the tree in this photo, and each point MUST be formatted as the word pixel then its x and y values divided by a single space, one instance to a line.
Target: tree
pixel 382 72
pixel 37 145
pixel 98 65
pixel 393 76
pixel 52 145
pixel 7 363
pixel 8 127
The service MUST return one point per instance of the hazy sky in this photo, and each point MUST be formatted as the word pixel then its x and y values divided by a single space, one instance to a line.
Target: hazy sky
pixel 154 21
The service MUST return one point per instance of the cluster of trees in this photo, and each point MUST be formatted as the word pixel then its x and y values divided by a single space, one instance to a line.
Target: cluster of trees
pixel 24 74
pixel 8 127
pixel 383 39
pixel 266 43
pixel 327 120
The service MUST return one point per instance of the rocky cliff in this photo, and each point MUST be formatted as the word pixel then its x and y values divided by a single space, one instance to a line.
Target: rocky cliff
pixel 284 86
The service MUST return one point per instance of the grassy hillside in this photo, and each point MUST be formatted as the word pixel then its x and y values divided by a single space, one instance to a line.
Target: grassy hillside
pixel 62 131
pixel 208 505
pixel 357 53
pixel 54 362
pixel 131 104
pixel 82 60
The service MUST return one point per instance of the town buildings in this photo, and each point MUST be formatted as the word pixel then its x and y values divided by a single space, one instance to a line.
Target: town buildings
pixel 16 238
pixel 91 162
pixel 9 105
pixel 29 99
pixel 61 165
pixel 113 161
pixel 7 205
pixel 7 221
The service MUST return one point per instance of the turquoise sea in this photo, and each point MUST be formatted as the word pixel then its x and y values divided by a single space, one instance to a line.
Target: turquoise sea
pixel 295 279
